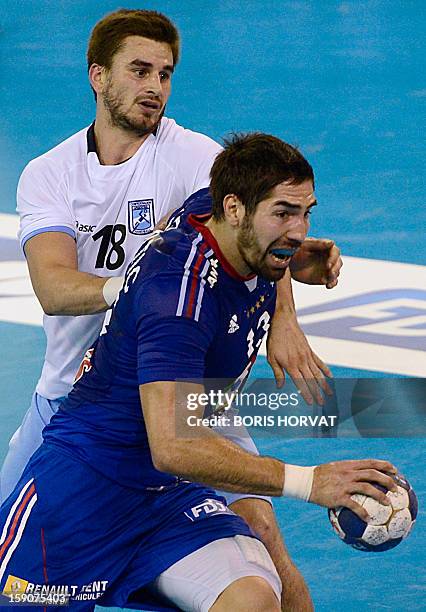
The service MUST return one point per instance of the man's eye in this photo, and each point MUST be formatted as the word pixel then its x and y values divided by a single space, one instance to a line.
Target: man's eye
pixel 164 76
pixel 282 214
pixel 141 73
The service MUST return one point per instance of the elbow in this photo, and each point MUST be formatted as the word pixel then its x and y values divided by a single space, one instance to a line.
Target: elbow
pixel 53 296
pixel 49 306
pixel 164 460
pixel 48 310
pixel 53 303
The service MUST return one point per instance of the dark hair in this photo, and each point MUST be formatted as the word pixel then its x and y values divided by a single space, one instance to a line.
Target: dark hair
pixel 250 166
pixel 109 33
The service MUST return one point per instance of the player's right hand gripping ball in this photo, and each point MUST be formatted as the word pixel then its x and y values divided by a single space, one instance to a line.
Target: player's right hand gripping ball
pixel 388 526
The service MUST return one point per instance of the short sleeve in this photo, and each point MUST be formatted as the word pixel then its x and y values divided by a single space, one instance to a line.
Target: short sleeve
pixel 41 202
pixel 171 346
pixel 196 161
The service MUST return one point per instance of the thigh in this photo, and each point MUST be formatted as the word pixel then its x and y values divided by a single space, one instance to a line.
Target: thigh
pixel 25 441
pixel 196 581
pixel 186 519
pixel 59 532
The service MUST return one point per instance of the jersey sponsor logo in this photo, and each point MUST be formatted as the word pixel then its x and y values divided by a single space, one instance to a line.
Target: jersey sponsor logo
pixel 84 228
pixel 21 591
pixel 141 216
pixel 15 585
pixel 394 317
pixel 233 325
pixel 207 508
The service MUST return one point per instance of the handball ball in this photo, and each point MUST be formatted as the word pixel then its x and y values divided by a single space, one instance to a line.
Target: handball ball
pixel 388 525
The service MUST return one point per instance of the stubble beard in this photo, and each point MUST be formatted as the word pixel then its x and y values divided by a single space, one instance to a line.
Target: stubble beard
pixel 251 252
pixel 114 104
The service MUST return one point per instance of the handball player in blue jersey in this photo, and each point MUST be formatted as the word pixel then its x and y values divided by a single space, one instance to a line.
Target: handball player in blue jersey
pixel 108 510
pixel 88 204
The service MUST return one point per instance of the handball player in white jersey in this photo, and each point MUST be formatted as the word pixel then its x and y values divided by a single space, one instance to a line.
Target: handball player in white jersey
pixel 86 206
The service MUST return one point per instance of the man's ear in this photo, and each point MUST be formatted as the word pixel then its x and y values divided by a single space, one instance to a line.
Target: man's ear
pixel 97 76
pixel 234 210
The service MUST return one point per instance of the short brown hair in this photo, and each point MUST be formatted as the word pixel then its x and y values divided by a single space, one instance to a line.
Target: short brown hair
pixel 250 166
pixel 109 33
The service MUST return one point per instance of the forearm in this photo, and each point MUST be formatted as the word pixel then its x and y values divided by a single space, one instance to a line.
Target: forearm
pixel 285 301
pixel 221 464
pixel 295 595
pixel 71 292
pixel 61 288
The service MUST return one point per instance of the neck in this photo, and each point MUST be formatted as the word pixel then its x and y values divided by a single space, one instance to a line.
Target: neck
pixel 225 236
pixel 113 144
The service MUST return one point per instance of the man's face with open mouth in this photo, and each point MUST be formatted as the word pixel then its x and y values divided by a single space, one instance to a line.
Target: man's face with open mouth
pixel 269 238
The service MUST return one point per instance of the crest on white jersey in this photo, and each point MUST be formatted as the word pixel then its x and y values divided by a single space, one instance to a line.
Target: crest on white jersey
pixel 141 216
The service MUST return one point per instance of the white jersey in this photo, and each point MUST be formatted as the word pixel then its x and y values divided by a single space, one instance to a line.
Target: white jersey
pixel 109 211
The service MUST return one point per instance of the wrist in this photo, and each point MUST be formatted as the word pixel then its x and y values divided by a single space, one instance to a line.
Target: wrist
pixel 284 320
pixel 111 289
pixel 298 481
pixel 285 309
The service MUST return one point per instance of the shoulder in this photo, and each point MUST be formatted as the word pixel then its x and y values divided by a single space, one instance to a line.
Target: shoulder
pixel 198 203
pixel 63 157
pixel 170 276
pixel 186 141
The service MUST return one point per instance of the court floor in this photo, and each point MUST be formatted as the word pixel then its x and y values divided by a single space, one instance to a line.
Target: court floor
pixel 341 79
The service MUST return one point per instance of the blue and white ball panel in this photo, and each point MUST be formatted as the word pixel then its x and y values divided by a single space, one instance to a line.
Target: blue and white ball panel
pixel 388 525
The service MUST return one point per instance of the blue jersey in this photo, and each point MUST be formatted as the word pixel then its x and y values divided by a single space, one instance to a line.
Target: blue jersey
pixel 183 314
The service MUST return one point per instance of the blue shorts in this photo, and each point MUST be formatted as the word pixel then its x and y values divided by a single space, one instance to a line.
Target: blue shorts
pixel 28 438
pixel 95 541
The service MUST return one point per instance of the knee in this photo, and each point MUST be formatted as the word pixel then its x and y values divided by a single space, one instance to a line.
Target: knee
pixel 262 597
pixel 260 515
pixel 263 522
pixel 250 593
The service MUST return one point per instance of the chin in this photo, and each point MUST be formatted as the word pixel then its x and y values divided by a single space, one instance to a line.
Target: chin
pixel 271 274
pixel 143 127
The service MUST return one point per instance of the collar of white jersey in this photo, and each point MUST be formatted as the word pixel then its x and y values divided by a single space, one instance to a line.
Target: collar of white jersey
pixel 117 169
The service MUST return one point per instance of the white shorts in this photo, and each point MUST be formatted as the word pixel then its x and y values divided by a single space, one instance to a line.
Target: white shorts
pixel 196 581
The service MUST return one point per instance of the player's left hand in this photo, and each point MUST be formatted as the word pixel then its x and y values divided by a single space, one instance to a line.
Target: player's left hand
pixel 317 262
pixel 289 350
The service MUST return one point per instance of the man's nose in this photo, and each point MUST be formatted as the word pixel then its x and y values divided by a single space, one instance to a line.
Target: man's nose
pixel 154 84
pixel 296 230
